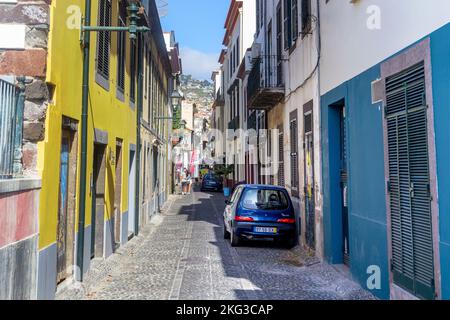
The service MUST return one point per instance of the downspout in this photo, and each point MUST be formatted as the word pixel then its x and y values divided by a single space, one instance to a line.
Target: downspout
pixel 84 132
pixel 138 133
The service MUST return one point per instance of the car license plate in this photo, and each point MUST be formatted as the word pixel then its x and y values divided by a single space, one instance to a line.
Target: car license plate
pixel 266 230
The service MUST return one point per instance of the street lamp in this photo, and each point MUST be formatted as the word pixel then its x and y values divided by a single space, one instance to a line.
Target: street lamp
pixel 176 98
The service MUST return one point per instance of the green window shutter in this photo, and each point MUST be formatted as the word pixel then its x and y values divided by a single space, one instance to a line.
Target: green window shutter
pixel 281 182
pixel 103 38
pixel 121 50
pixel 133 52
pixel 409 180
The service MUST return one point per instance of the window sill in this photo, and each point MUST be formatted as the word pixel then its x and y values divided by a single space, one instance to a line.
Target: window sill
pixel 120 95
pixel 102 81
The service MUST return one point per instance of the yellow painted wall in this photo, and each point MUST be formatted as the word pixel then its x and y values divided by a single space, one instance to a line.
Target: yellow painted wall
pixel 106 112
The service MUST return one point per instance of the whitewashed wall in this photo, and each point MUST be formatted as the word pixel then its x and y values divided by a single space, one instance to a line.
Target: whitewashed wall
pixel 354 39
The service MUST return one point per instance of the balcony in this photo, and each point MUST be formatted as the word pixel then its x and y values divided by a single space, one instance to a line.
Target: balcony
pixel 219 100
pixel 265 83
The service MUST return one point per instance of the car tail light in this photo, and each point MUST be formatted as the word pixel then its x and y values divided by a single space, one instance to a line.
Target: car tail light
pixel 287 220
pixel 245 219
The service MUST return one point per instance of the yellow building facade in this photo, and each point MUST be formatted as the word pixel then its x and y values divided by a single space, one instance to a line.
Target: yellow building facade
pixel 111 143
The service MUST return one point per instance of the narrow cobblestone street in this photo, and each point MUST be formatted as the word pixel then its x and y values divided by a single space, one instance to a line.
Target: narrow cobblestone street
pixel 182 255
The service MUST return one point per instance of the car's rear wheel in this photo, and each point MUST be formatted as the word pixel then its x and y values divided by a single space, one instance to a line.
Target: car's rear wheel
pixel 235 240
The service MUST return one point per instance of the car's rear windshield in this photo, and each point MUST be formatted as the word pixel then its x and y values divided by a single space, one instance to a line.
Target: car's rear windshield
pixel 265 199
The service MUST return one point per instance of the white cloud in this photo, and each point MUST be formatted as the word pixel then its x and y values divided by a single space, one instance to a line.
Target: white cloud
pixel 199 64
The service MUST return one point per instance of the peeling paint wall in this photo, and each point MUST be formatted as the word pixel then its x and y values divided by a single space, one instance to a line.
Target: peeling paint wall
pixel 19 201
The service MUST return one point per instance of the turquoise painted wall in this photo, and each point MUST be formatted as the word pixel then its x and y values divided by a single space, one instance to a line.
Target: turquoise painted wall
pixel 366 184
pixel 440 58
pixel 367 204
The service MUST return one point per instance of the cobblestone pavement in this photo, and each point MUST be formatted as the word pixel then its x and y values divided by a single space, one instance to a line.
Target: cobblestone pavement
pixel 181 254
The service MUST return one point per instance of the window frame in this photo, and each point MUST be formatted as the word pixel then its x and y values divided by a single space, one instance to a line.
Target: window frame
pixel 121 55
pixel 102 77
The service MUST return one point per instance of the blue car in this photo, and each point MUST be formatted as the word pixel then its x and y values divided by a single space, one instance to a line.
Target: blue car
pixel 260 212
pixel 211 182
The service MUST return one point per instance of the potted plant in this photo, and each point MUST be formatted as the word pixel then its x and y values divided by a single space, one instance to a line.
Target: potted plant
pixel 223 171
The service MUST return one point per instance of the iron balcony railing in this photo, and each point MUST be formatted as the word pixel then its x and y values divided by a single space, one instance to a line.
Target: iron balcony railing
pixel 265 83
pixel 11 123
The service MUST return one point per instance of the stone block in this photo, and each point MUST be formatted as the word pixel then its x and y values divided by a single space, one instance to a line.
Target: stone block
pixel 32 13
pixel 36 38
pixel 29 157
pixel 31 62
pixel 33 131
pixel 34 111
pixel 37 90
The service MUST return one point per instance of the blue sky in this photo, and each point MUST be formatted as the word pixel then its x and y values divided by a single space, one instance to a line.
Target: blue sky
pixel 198 26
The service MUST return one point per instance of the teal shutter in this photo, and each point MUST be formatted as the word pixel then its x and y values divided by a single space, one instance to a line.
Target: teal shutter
pixel 104 38
pixel 409 182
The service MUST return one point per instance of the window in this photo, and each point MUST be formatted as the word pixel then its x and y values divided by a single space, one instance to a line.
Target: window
pixel 237 104
pixel 146 71
pixel 294 12
pixel 238 54
pixel 121 50
pixel 132 70
pixel 258 15
pixel 103 41
pixel 236 194
pixel 279 45
pixel 150 84
pixel 306 16
pixel 287 24
pixel 265 199
pixel 261 21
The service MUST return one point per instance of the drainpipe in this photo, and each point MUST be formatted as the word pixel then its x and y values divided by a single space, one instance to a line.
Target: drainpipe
pixel 138 132
pixel 84 131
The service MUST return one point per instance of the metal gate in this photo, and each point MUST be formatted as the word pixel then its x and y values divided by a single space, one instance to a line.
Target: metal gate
pixel 409 182
pixel 8 130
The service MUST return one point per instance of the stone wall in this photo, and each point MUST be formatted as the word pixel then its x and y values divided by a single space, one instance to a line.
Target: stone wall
pixel 28 57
